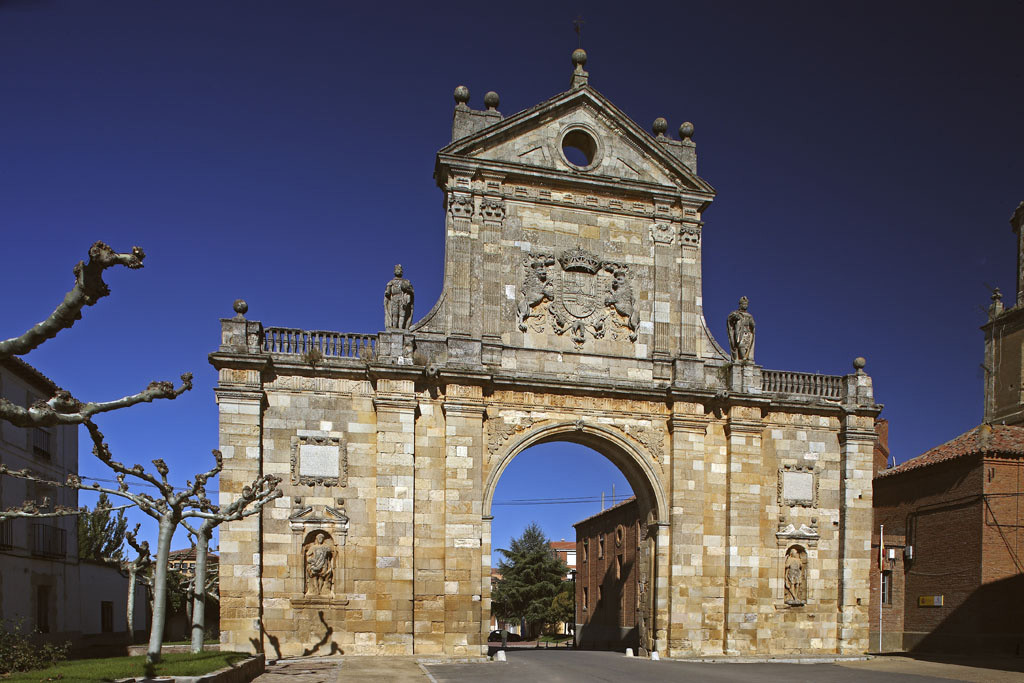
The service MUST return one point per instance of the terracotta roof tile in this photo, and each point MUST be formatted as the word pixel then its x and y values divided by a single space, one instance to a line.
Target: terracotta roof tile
pixel 629 500
pixel 995 439
pixel 563 545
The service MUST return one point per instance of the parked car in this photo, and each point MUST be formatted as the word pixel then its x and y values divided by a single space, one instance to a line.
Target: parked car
pixel 495 637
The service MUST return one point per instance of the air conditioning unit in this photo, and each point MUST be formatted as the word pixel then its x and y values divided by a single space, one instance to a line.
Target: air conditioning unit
pixel 908 552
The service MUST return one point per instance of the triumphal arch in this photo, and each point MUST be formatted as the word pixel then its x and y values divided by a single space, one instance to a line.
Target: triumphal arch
pixel 571 311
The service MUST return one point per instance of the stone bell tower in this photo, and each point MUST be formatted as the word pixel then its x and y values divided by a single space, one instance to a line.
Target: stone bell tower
pixel 1004 345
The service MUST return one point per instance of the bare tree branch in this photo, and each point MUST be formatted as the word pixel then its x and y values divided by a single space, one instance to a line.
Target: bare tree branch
pixel 65 409
pixel 89 288
pixel 42 509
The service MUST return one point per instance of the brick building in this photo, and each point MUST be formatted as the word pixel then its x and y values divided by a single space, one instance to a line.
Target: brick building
pixel 566 552
pixel 609 582
pixel 184 561
pixel 950 576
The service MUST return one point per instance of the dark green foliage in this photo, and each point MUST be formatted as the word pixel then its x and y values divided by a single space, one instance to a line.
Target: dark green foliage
pixel 21 651
pixel 101 532
pixel 563 606
pixel 531 575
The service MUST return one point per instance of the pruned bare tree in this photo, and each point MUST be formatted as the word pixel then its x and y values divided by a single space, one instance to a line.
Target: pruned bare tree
pixel 62 408
pixel 249 502
pixel 142 561
pixel 42 509
pixel 170 507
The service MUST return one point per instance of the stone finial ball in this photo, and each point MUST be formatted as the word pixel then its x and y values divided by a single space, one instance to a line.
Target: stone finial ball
pixel 859 362
pixel 491 100
pixel 240 306
pixel 660 126
pixel 461 94
pixel 579 57
pixel 686 130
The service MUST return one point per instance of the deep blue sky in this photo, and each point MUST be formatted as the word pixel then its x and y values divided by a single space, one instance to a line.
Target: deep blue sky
pixel 866 156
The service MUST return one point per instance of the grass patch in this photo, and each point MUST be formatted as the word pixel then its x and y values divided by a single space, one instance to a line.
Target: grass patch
pixel 112 668
pixel 555 639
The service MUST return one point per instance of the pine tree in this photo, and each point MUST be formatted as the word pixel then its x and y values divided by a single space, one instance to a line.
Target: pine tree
pixel 101 534
pixel 531 576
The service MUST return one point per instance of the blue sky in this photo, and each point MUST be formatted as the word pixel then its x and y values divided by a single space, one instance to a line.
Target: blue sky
pixel 866 156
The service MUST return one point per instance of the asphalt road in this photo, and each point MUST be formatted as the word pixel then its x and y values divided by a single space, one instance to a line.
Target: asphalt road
pixel 573 666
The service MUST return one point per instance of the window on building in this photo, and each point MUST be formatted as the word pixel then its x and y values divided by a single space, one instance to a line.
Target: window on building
pixel 887 587
pixel 586 598
pixel 106 616
pixel 618 566
pixel 41 442
pixel 638 534
pixel 600 547
pixel 600 594
pixel 586 549
pixel 43 609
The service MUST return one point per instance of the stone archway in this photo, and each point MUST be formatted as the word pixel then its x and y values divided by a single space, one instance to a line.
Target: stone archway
pixel 572 308
pixel 639 468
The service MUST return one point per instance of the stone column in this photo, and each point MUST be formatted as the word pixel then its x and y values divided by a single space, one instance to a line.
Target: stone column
pixel 695 613
pixel 240 402
pixel 429 541
pixel 691 306
pixel 745 519
pixel 665 289
pixel 395 403
pixel 856 448
pixel 463 493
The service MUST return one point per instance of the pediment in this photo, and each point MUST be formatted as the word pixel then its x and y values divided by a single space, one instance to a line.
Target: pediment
pixel 534 138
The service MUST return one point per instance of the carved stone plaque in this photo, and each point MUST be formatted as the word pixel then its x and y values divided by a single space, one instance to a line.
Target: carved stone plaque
pixel 797 486
pixel 319 460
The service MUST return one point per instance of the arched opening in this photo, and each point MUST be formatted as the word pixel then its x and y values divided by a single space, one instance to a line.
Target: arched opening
pixel 556 477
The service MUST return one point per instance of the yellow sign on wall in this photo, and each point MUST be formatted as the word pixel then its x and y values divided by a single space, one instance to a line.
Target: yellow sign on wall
pixel 929 600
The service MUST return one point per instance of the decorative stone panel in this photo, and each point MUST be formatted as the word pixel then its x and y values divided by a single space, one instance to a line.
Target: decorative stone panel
pixel 319 461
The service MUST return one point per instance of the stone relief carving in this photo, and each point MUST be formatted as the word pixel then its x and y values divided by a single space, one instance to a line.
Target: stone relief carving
pixel 460 205
pixel 795 576
pixel 536 287
pixel 662 233
pixel 690 235
pixel 741 333
pixel 652 438
pixel 499 432
pixel 492 209
pixel 587 297
pixel 319 460
pixel 398 301
pixel 319 554
pixel 798 486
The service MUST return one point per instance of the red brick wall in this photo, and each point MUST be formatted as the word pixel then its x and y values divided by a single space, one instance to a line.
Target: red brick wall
pixel 938 509
pixel 617 606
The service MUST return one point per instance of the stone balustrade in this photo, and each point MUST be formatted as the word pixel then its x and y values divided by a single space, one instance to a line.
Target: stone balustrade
pixel 802 384
pixel 286 340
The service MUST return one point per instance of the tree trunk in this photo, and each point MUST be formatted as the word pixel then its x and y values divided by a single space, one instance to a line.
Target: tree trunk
pixel 130 612
pixel 163 549
pixel 199 589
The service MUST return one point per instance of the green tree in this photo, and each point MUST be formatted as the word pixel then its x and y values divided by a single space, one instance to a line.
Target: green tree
pixel 531 576
pixel 101 533
pixel 563 606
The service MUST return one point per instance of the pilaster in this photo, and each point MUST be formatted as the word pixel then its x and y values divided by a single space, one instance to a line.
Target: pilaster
pixel 395 404
pixel 695 611
pixel 856 447
pixel 463 494
pixel 744 580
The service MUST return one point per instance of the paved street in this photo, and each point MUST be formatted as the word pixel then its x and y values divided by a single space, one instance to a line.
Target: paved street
pixel 568 666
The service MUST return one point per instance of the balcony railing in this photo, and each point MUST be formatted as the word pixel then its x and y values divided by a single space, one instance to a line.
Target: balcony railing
pixel 42 442
pixel 330 344
pixel 6 535
pixel 48 541
pixel 802 384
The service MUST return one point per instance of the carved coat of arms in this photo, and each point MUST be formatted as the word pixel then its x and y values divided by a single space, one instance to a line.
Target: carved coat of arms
pixel 588 295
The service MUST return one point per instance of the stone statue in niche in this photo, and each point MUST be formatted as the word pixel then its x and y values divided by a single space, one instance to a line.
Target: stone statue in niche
pixel 398 299
pixel 536 286
pixel 620 297
pixel 741 333
pixel 319 556
pixel 795 574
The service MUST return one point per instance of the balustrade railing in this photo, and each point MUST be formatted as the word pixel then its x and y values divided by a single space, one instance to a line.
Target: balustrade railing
pixel 802 384
pixel 6 534
pixel 48 541
pixel 330 344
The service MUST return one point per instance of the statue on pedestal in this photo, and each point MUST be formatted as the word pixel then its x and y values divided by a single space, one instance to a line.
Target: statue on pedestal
pixel 741 333
pixel 320 566
pixel 398 297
